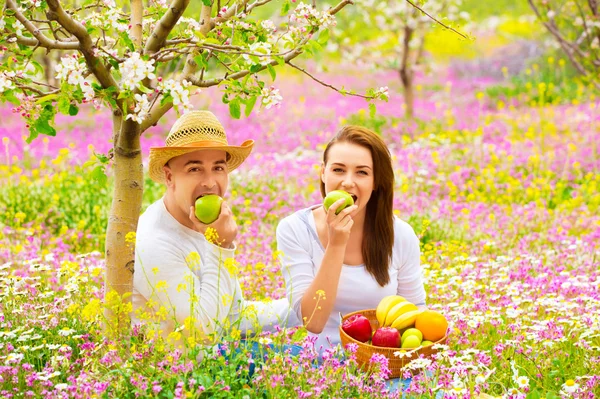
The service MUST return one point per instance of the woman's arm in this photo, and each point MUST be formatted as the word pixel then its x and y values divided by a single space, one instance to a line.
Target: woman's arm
pixel 312 295
pixel 410 281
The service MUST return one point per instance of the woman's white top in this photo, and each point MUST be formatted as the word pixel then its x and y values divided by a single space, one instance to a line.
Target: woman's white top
pixel 302 253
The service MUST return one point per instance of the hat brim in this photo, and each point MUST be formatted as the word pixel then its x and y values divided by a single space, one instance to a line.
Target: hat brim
pixel 159 156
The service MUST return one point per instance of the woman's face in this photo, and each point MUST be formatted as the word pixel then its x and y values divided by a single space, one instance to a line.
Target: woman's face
pixel 350 168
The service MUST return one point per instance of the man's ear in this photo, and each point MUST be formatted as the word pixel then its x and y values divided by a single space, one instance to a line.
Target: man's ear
pixel 168 175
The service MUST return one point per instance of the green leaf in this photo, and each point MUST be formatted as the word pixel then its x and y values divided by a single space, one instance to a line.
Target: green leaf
pixel 207 3
pixel 9 96
pixel 33 133
pixel 37 66
pixel 372 110
pixel 64 105
pixel 144 89
pixel 535 394
pixel 272 71
pixel 280 60
pixel 114 63
pixel 250 105
pixel 202 63
pixel 73 110
pixel 255 68
pixel 234 109
pixel 323 37
pixel 97 174
pixel 285 7
pixel 42 126
pixel 44 99
pixel 127 41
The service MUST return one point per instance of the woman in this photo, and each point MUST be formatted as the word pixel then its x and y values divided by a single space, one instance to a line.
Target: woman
pixel 341 263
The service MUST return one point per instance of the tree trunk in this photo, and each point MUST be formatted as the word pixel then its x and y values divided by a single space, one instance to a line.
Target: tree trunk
pixel 123 219
pixel 409 92
pixel 407 74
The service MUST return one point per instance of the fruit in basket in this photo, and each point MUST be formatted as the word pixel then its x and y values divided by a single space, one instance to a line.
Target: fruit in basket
pixel 398 311
pixel 412 341
pixel 385 305
pixel 412 331
pixel 358 327
pixel 386 337
pixel 406 320
pixel 426 343
pixel 432 324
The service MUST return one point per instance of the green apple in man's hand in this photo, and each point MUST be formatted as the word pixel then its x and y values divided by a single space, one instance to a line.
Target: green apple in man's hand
pixel 208 208
pixel 336 195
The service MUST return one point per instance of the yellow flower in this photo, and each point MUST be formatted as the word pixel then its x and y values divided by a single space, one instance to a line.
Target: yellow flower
pixel 227 299
pixel 211 235
pixel 161 286
pixel 193 260
pixel 231 266
pixel 130 237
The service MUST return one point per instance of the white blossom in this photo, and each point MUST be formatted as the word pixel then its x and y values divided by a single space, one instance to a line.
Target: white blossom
pixel 268 25
pixel 179 91
pixel 271 97
pixel 5 82
pixel 135 69
pixel 141 110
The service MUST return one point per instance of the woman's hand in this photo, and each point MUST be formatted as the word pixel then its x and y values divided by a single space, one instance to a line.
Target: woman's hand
pixel 340 225
pixel 225 226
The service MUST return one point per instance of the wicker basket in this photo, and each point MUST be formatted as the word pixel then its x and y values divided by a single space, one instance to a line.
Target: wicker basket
pixel 365 351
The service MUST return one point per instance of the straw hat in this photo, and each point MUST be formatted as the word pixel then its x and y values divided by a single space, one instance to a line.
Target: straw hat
pixel 193 131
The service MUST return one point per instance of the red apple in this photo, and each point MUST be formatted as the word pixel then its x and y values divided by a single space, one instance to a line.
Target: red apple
pixel 388 337
pixel 358 327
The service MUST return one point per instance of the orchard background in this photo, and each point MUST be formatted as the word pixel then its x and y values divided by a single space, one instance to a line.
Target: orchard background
pixel 497 169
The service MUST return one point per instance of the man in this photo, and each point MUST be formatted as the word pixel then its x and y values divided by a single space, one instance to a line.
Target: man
pixel 185 287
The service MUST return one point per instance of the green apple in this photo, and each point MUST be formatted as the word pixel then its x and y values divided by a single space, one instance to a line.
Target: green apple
pixel 426 343
pixel 208 208
pixel 412 331
pixel 336 195
pixel 412 341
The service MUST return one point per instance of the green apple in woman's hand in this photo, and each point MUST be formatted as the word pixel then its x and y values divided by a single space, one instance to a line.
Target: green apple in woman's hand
pixel 336 195
pixel 208 208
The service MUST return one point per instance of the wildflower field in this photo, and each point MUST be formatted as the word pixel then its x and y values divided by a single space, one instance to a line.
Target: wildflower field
pixel 499 175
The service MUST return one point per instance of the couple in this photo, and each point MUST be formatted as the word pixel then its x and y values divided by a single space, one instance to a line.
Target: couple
pixel 185 281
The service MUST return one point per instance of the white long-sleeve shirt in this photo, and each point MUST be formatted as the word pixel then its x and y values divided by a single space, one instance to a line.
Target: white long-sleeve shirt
pixel 178 270
pixel 302 253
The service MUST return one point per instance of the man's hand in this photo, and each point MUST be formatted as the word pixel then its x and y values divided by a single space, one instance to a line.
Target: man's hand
pixel 225 226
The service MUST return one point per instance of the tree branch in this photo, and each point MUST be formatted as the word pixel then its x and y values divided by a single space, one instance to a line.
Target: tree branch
pixel 435 20
pixel 42 40
pixel 135 25
pixel 157 110
pixel 344 92
pixel 86 47
pixel 166 25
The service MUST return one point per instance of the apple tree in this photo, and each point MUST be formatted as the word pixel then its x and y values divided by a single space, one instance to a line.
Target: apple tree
pixel 391 35
pixel 140 59
pixel 575 24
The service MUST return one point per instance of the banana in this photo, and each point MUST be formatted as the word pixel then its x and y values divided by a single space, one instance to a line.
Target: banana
pixel 397 311
pixel 385 305
pixel 406 320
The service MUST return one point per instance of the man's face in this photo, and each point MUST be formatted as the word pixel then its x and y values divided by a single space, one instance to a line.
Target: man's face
pixel 195 174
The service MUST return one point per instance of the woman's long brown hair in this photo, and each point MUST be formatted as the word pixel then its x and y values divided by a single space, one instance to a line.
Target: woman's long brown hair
pixel 378 234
